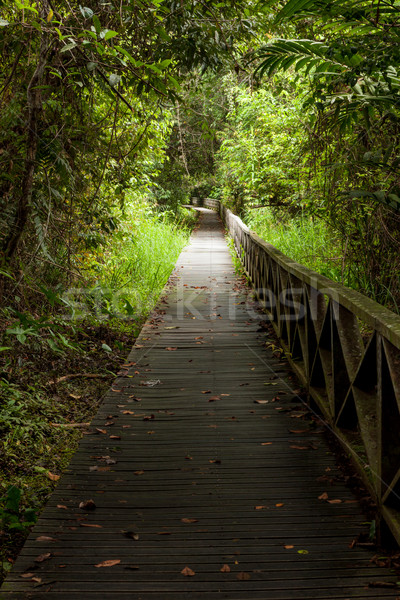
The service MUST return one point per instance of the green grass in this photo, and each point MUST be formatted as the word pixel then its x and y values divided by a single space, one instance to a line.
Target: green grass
pixel 304 239
pixel 129 274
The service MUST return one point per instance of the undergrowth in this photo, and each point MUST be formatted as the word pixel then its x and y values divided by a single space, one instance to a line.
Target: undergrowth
pixel 59 355
pixel 307 240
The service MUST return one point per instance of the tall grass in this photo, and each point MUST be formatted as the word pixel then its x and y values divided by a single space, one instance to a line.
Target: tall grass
pixel 130 272
pixel 307 240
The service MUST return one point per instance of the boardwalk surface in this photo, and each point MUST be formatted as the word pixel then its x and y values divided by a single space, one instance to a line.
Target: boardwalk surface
pixel 200 457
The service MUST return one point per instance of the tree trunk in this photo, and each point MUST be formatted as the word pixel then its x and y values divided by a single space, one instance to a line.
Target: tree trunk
pixel 34 104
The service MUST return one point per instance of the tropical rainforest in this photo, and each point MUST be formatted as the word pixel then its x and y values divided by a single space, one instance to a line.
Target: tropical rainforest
pixel 113 115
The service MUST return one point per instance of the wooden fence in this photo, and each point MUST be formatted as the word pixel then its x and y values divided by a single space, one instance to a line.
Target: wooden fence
pixel 345 350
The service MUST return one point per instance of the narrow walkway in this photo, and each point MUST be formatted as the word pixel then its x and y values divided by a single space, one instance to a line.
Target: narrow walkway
pixel 201 461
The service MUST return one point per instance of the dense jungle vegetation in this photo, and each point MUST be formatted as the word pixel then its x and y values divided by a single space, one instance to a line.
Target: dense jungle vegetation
pixel 112 115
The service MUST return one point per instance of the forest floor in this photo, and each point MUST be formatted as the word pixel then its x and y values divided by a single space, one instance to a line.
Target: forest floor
pixel 46 404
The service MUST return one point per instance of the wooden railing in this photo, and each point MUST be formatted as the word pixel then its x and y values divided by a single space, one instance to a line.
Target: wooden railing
pixel 345 350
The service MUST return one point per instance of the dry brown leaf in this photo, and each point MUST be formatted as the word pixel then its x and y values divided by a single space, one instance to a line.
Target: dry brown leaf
pixel 108 563
pixel 225 569
pixel 260 507
pixel 189 520
pixel 323 496
pixel 138 473
pixel 52 476
pixel 299 430
pixel 279 504
pixel 87 505
pixel 127 412
pixel 115 437
pixel 243 576
pixel 335 501
pixel 266 443
pixel 187 571
pixel 43 557
pixel 45 538
pixel 62 506
pixel 101 430
pixel 91 525
pixel 37 579
pixel 260 401
pixel 27 575
pixel 288 547
pixel 132 535
pixel 214 398
pixel 171 349
pixel 206 392
pixel 295 447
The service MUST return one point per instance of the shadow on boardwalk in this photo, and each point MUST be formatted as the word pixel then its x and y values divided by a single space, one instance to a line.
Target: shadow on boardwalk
pixel 208 480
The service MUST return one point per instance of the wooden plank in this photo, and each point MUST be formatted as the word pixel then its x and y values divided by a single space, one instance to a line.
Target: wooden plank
pixel 248 475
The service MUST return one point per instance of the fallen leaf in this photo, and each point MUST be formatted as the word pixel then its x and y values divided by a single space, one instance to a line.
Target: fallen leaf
pixel 266 443
pixel 108 563
pixel 323 496
pixel 225 569
pixel 164 532
pixel 225 394
pixel 27 575
pixel 335 501
pixel 295 447
pixel 132 535
pixel 187 571
pixel 288 547
pixel 243 576
pixel 299 430
pixel 53 477
pixel 382 584
pixel 45 538
pixel 260 507
pixel 87 505
pixel 214 398
pixel 206 392
pixel 260 401
pixel 43 557
pixel 171 349
pixel 36 579
pixel 216 461
pixel 91 525
pixel 62 506
pixel 127 412
pixel 115 437
pixel 101 430
pixel 302 551
pixel 189 520
pixel 279 504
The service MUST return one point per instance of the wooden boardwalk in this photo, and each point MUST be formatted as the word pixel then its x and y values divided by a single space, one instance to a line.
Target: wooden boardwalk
pixel 201 456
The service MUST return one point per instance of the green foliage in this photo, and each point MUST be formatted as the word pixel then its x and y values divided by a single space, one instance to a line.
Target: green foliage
pixel 261 157
pixel 130 272
pixel 12 515
pixel 306 239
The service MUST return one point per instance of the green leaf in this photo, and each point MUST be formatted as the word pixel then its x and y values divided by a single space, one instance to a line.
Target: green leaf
pixel 106 348
pixel 110 34
pixel 96 23
pixel 68 47
pixel 3 23
pixel 114 79
pixel 86 12
pixel 13 498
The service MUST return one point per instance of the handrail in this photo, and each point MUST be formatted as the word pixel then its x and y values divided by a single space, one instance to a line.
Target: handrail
pixel 345 350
